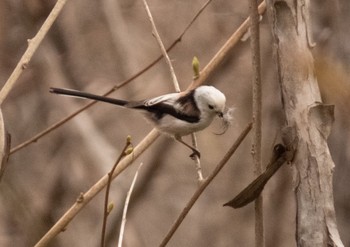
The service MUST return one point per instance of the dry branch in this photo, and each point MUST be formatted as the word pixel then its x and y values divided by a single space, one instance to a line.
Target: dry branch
pixel 162 48
pixel 174 79
pixel 126 205
pixel 304 110
pixel 225 50
pixel 5 143
pixel 205 184
pixel 257 122
pixel 195 68
pixel 86 197
pixel 110 175
pixel 33 44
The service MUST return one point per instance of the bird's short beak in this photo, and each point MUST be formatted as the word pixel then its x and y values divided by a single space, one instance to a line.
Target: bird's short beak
pixel 220 114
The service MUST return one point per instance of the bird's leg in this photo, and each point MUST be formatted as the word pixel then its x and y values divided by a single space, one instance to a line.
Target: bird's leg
pixel 194 150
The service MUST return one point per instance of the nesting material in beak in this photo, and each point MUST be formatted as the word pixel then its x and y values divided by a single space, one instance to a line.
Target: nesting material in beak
pixel 227 117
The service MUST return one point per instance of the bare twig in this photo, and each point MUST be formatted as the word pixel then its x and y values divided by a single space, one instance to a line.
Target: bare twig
pixel 162 48
pixel 175 83
pixel 125 210
pixel 225 50
pixel 86 197
pixel 256 149
pixel 195 68
pixel 111 90
pixel 205 184
pixel 105 211
pixel 196 16
pixel 50 128
pixel 5 144
pixel 197 159
pixel 33 44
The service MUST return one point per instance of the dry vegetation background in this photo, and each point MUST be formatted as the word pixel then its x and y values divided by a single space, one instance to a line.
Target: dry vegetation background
pixel 93 46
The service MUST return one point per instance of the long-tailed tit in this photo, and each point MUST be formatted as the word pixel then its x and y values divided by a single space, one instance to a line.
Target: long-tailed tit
pixel 177 114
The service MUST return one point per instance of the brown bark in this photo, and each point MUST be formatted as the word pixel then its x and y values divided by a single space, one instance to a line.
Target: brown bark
pixel 313 164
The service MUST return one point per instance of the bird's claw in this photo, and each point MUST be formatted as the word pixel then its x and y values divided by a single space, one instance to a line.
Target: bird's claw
pixel 195 154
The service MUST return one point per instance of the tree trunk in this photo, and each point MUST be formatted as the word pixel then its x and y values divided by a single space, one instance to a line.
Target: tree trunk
pixel 312 120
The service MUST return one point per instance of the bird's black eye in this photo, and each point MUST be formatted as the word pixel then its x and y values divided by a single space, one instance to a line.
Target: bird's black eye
pixel 211 107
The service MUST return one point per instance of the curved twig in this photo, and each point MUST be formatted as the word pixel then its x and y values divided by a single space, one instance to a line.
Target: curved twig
pixel 110 174
pixel 126 204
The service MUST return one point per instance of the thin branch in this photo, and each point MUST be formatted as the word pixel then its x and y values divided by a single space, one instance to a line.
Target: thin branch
pixel 33 44
pixel 77 112
pixel 225 50
pixel 196 16
pixel 195 68
pixel 175 83
pixel 105 211
pixel 111 90
pixel 205 184
pixel 162 48
pixel 86 197
pixel 197 159
pixel 126 205
pixel 50 128
pixel 5 144
pixel 257 99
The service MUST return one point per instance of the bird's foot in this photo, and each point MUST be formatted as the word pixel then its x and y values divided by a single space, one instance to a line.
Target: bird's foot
pixel 195 154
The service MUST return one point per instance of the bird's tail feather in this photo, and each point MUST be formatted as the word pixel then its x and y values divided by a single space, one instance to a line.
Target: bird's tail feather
pixel 80 94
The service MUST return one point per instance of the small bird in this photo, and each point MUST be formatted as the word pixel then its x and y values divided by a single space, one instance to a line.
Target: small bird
pixel 176 114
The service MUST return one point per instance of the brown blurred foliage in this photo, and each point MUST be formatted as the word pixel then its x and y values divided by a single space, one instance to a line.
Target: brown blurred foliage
pixel 96 44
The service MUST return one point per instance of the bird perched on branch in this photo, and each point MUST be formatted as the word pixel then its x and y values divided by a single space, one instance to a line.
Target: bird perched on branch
pixel 176 114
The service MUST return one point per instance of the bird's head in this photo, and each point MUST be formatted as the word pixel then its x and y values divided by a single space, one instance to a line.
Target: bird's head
pixel 210 101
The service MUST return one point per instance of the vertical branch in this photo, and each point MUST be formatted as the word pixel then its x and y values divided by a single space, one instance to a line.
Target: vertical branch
pixel 175 81
pixel 313 165
pixel 195 67
pixel 109 181
pixel 256 148
pixel 197 160
pixel 126 204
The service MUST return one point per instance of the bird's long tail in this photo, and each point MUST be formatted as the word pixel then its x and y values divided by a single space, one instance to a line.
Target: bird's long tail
pixel 80 94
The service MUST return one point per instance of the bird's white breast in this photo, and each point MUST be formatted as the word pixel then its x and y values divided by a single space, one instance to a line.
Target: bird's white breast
pixel 170 125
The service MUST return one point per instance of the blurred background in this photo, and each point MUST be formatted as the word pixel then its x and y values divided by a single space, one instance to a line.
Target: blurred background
pixel 95 45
